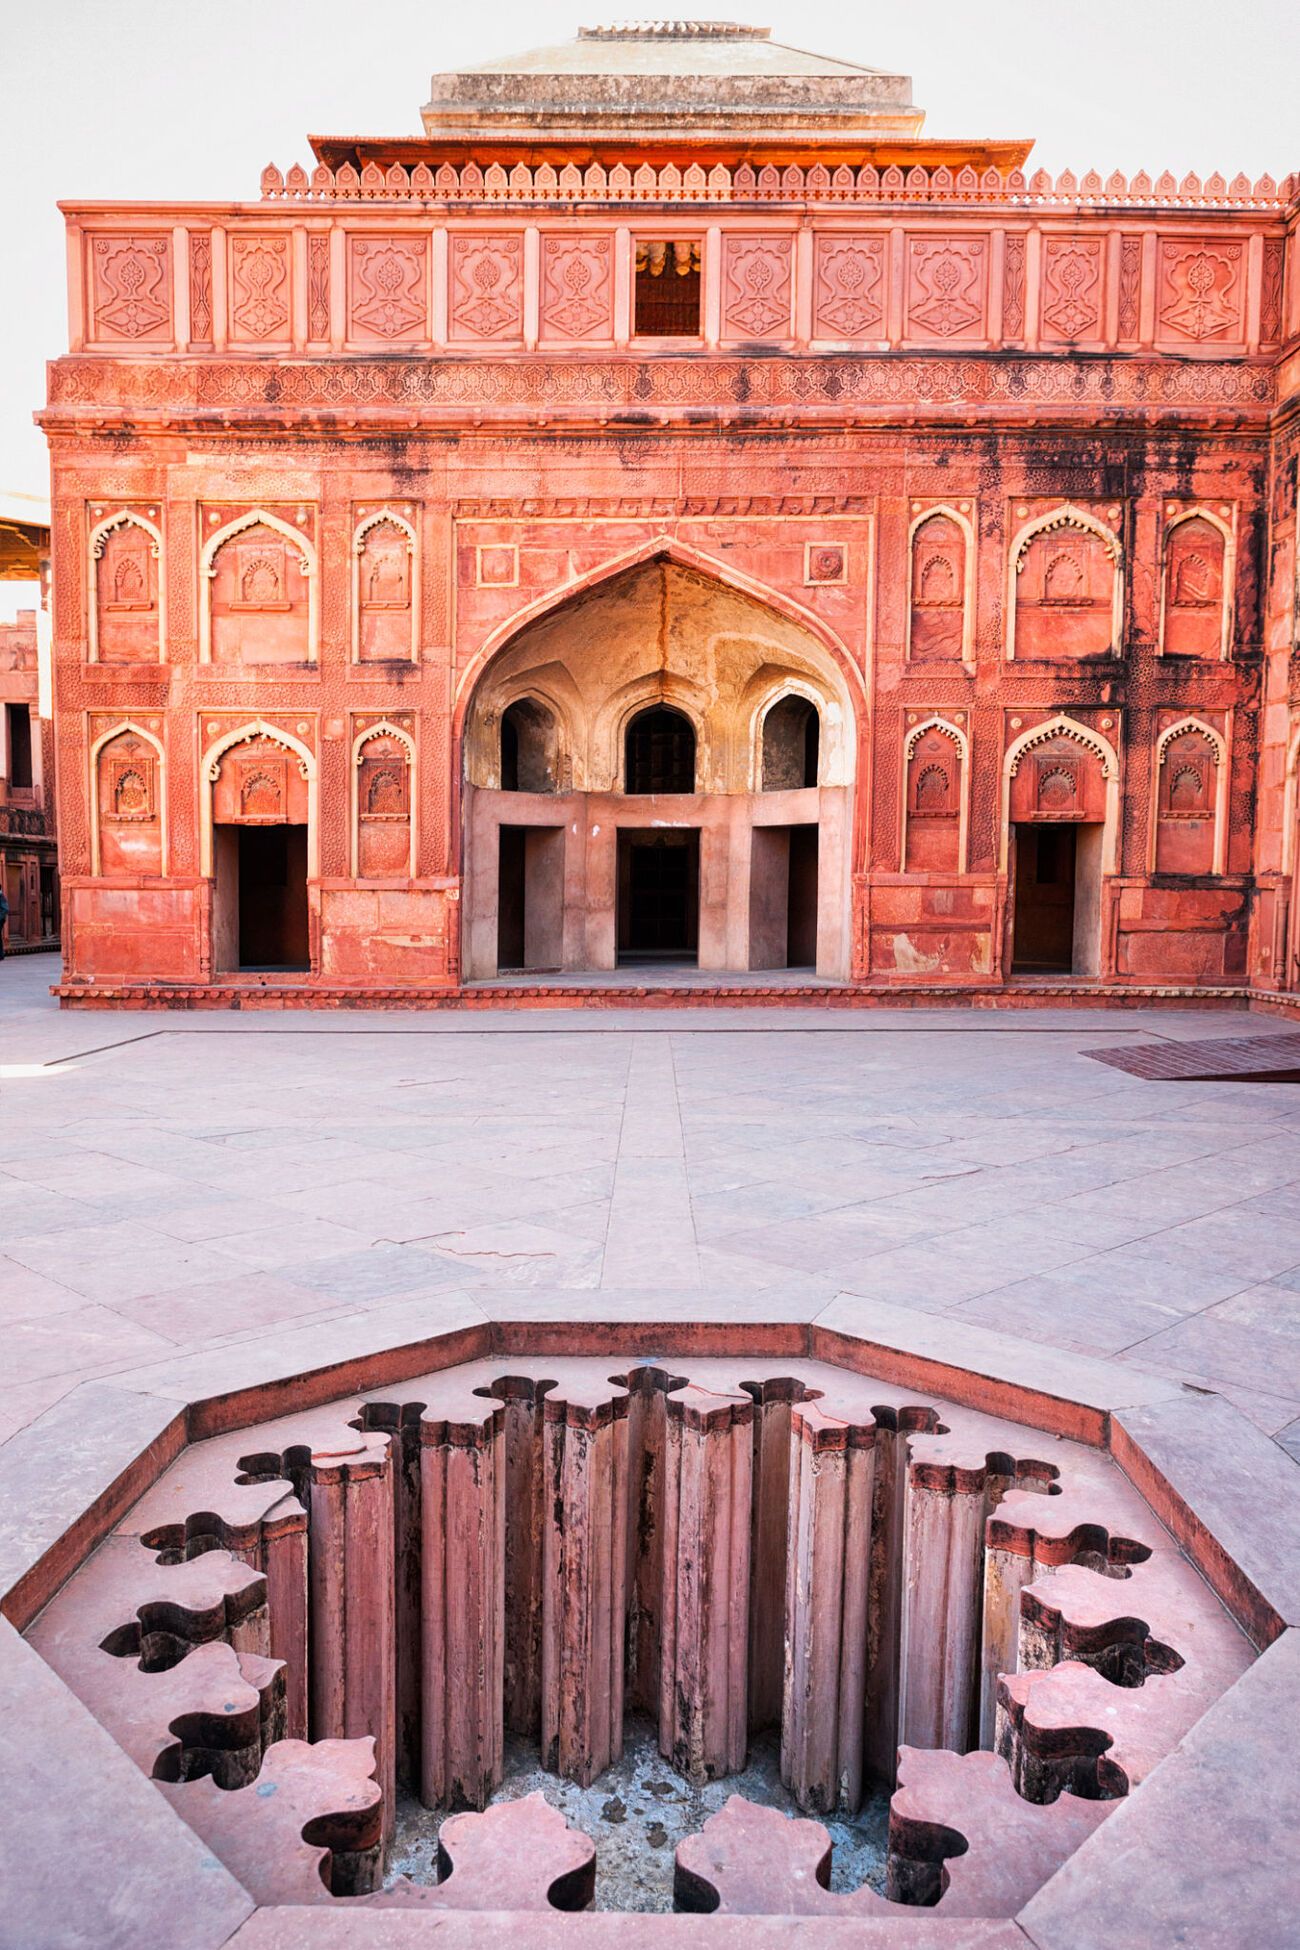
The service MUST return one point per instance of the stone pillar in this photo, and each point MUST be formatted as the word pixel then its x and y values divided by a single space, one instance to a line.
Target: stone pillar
pixel 885 1597
pixel 943 1545
pixel 584 1585
pixel 462 1502
pixel 827 1574
pixel 704 1662
pixel 350 1574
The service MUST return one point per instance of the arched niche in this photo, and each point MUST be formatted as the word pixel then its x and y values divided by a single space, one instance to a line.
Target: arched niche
pixel 935 798
pixel 385 589
pixel 383 803
pixel 1190 800
pixel 530 747
pixel 940 616
pixel 128 791
pixel 659 752
pixel 259 774
pixel 1196 587
pixel 257 593
pixel 126 590
pixel 791 744
pixel 1065 597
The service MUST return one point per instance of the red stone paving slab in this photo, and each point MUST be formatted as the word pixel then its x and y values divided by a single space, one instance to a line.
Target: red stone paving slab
pixel 1222 1059
pixel 1011 1846
pixel 521 1855
pixel 67 1478
pixel 1229 1495
pixel 1205 1856
pixel 98 1860
pixel 326 1790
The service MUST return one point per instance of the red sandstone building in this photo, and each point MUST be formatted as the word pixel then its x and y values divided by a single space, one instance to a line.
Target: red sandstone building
pixel 672 510
pixel 28 858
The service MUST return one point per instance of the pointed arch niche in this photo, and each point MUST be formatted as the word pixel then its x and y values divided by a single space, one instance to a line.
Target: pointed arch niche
pixel 383 803
pixel 936 797
pixel 1065 587
pixel 385 589
pixel 941 603
pixel 258 593
pixel 128 798
pixel 1197 580
pixel 125 581
pixel 1190 801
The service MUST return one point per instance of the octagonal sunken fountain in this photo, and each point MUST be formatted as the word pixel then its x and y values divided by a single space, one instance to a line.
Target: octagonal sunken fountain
pixel 488 1619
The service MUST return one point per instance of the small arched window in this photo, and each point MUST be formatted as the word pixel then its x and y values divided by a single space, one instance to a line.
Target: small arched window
pixel 528 748
pixel 660 752
pixel 791 745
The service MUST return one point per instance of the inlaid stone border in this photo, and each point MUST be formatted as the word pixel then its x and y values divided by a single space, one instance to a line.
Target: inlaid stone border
pixel 1201 1853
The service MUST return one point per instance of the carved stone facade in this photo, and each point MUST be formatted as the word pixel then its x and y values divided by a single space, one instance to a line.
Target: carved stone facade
pixel 376 524
pixel 28 854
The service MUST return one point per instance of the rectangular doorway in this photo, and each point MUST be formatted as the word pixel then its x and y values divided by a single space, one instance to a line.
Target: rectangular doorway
pixel 783 897
pixel 1043 926
pixel 530 898
pixel 260 899
pixel 658 895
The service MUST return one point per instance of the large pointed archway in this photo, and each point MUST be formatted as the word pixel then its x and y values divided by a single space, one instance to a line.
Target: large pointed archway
pixel 659 768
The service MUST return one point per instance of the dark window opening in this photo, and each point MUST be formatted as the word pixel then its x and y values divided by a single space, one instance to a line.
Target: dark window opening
pixel 20 746
pixel 667 289
pixel 529 748
pixel 791 745
pixel 660 752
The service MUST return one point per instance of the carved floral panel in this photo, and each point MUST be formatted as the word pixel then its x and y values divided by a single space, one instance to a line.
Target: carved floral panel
pixel 1071 289
pixel 577 288
pixel 487 287
pixel 388 296
pixel 757 275
pixel 259 289
pixel 384 593
pixel 849 287
pixel 933 803
pixel 1064 593
pixel 130 289
pixel 383 808
pixel 259 782
pixel 126 595
pixel 1195 554
pixel 947 288
pixel 938 590
pixel 1185 804
pixel 260 599
pixel 130 829
pixel 1201 289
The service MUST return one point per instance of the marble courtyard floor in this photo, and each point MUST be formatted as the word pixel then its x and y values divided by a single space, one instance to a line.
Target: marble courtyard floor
pixel 174 1182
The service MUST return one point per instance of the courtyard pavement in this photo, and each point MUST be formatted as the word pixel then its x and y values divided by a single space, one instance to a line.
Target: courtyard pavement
pixel 176 1182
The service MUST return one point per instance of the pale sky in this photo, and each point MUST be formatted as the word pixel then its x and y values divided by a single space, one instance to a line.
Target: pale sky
pixel 170 98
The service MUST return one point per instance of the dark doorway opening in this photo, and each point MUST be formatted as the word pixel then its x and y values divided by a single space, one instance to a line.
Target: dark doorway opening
pixel 660 754
pixel 658 896
pixel 530 897
pixel 1042 939
pixel 802 935
pixel 262 888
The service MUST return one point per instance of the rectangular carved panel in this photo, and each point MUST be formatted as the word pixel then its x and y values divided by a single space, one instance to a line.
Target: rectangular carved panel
pixel 487 288
pixel 577 288
pixel 130 289
pixel 757 287
pixel 259 289
pixel 1200 292
pixel 849 286
pixel 947 288
pixel 388 289
pixel 1071 289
